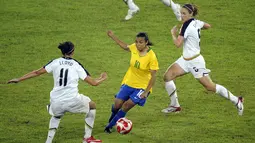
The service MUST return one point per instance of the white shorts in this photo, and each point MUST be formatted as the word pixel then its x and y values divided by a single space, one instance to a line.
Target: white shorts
pixel 196 66
pixel 79 104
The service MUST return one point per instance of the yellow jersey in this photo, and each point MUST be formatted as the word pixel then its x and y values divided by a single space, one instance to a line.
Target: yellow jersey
pixel 138 74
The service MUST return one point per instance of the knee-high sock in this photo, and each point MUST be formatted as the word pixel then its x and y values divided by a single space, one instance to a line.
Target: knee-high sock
pixel 119 115
pixel 89 122
pixel 176 9
pixel 131 5
pixel 53 125
pixel 171 90
pixel 114 112
pixel 166 2
pixel 221 90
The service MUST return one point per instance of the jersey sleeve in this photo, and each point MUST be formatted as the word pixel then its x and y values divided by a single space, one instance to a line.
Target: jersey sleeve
pixel 82 72
pixel 153 62
pixel 200 24
pixel 50 66
pixel 132 47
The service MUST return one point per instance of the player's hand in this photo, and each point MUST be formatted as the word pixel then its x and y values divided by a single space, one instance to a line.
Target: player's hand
pixel 110 33
pixel 174 30
pixel 144 95
pixel 15 80
pixel 104 75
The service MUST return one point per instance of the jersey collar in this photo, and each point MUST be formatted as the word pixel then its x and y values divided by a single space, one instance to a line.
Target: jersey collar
pixel 68 58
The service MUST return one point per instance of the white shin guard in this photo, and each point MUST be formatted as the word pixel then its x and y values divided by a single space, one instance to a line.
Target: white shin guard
pixel 89 122
pixel 90 117
pixel 54 122
pixel 221 90
pixel 171 90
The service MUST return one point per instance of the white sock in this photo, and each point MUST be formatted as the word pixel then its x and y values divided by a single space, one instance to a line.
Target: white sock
pixel 173 5
pixel 54 123
pixel 176 9
pixel 221 90
pixel 51 134
pixel 132 5
pixel 171 90
pixel 89 122
pixel 166 2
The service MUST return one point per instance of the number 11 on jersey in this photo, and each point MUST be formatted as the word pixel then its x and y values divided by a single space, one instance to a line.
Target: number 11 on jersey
pixel 61 80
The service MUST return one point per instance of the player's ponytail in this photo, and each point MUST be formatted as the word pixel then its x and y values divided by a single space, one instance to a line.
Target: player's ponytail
pixel 66 48
pixel 146 37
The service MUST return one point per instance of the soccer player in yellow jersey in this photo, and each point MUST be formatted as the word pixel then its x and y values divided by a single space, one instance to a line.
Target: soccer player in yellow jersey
pixel 138 80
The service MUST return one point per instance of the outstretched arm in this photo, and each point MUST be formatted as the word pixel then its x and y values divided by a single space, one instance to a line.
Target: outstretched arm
pixel 206 26
pixel 32 74
pixel 96 81
pixel 118 41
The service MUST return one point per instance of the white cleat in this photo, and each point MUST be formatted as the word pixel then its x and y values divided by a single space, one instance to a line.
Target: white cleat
pixel 177 10
pixel 131 13
pixel 171 109
pixel 239 105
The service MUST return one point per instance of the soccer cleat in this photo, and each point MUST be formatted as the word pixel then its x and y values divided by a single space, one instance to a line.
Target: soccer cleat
pixel 171 109
pixel 239 105
pixel 177 10
pixel 107 130
pixel 91 140
pixel 131 13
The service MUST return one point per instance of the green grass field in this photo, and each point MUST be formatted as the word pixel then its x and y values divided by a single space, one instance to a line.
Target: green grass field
pixel 31 31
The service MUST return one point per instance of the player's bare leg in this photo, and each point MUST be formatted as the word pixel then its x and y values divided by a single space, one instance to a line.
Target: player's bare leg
pixel 115 108
pixel 121 113
pixel 221 90
pixel 172 73
pixel 89 123
pixel 175 7
pixel 53 126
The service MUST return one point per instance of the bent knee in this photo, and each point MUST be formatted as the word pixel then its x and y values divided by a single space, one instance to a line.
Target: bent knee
pixel 118 103
pixel 126 107
pixel 117 106
pixel 210 88
pixel 168 77
pixel 92 105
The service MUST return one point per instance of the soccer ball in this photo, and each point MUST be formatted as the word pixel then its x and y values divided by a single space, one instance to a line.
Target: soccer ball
pixel 124 125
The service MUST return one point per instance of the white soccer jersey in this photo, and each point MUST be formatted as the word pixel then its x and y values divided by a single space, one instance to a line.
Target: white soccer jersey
pixel 191 32
pixel 66 73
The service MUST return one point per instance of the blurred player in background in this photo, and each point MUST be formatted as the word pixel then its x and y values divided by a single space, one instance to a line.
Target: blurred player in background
pixel 138 80
pixel 64 97
pixel 133 8
pixel 192 61
pixel 175 7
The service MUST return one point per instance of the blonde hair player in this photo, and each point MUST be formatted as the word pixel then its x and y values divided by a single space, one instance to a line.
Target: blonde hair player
pixel 64 97
pixel 192 61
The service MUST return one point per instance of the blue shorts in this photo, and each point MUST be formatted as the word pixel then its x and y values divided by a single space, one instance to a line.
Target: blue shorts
pixel 127 92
